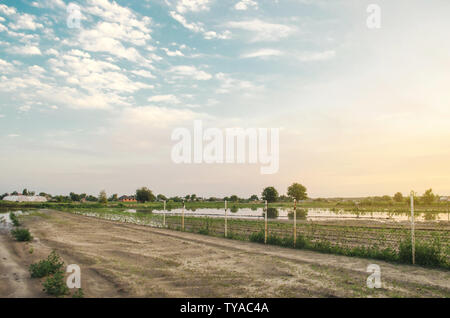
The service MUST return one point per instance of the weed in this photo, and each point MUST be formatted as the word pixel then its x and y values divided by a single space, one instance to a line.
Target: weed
pixel 55 285
pixel 21 235
pixel 46 267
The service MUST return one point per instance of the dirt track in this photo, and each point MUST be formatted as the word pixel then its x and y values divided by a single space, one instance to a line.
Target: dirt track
pixel 126 260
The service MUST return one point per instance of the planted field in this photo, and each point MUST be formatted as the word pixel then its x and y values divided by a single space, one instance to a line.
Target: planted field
pixel 384 241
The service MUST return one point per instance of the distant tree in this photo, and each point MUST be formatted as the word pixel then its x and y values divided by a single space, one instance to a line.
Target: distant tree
pixel 114 197
pixel 25 192
pixel 193 197
pixel 428 197
pixel 297 191
pixel 398 197
pixel 386 198
pixel 32 193
pixel 161 197
pixel 145 195
pixel 102 198
pixel 234 198
pixel 91 198
pixel 187 197
pixel 74 196
pixel 15 193
pixel 3 195
pixel 270 194
pixel 254 197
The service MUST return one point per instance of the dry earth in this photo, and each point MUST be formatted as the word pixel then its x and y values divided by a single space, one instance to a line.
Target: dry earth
pixel 127 260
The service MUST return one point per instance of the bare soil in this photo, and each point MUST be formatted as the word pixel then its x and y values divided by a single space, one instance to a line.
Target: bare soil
pixel 127 260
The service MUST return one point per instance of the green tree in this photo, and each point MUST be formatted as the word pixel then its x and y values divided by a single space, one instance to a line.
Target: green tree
pixel 428 197
pixel 398 197
pixel 270 194
pixel 161 197
pixel 234 198
pixel 145 195
pixel 74 196
pixel 113 198
pixel 102 198
pixel 25 192
pixel 297 191
pixel 254 197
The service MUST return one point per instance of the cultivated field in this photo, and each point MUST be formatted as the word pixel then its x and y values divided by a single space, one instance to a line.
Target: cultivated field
pixel 129 260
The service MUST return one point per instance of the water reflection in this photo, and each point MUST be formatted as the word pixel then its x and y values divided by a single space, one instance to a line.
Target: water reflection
pixel 301 214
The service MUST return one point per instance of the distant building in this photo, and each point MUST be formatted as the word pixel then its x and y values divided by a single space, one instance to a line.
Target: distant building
pixel 25 198
pixel 444 199
pixel 127 198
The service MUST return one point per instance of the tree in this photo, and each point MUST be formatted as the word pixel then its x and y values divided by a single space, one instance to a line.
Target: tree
pixel 161 197
pixel 102 198
pixel 398 197
pixel 74 196
pixel 25 192
pixel 254 197
pixel 270 194
pixel 297 191
pixel 114 197
pixel 428 197
pixel 234 198
pixel 193 197
pixel 145 195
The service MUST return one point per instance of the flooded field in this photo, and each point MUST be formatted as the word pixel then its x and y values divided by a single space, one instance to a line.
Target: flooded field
pixel 309 214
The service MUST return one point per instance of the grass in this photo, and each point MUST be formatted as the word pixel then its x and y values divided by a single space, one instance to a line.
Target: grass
pixel 21 235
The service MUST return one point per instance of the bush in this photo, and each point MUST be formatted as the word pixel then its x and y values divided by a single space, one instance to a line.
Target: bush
pixel 426 253
pixel 22 235
pixel 14 219
pixel 55 285
pixel 51 265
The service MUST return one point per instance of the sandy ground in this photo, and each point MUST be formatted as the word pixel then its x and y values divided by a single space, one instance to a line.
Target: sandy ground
pixel 126 260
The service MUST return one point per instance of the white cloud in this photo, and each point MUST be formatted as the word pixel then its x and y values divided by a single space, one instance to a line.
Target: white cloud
pixel 143 73
pixel 245 4
pixel 263 31
pixel 24 108
pixel 199 28
pixel 190 71
pixel 192 5
pixel 52 52
pixel 7 10
pixel 228 84
pixel 316 56
pixel 172 53
pixel 26 50
pixel 171 99
pixel 26 22
pixel 13 135
pixel 263 53
pixel 2 116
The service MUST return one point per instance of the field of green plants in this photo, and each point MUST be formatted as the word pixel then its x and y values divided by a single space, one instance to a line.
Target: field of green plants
pixel 390 242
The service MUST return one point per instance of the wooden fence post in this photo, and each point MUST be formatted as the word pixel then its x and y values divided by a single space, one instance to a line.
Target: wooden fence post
pixel 295 221
pixel 226 215
pixel 164 214
pixel 265 224
pixel 413 238
pixel 182 218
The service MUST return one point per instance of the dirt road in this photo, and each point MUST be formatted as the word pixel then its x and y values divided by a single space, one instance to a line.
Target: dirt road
pixel 126 260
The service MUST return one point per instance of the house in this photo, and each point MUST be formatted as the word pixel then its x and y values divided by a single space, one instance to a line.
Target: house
pixel 127 198
pixel 25 198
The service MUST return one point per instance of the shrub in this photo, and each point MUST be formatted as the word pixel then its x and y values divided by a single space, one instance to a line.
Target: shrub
pixel 14 219
pixel 48 266
pixel 426 253
pixel 22 235
pixel 55 285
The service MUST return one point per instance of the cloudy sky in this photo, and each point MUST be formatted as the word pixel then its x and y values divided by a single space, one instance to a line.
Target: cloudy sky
pixel 361 111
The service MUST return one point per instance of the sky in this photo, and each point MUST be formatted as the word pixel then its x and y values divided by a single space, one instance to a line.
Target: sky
pixel 361 111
